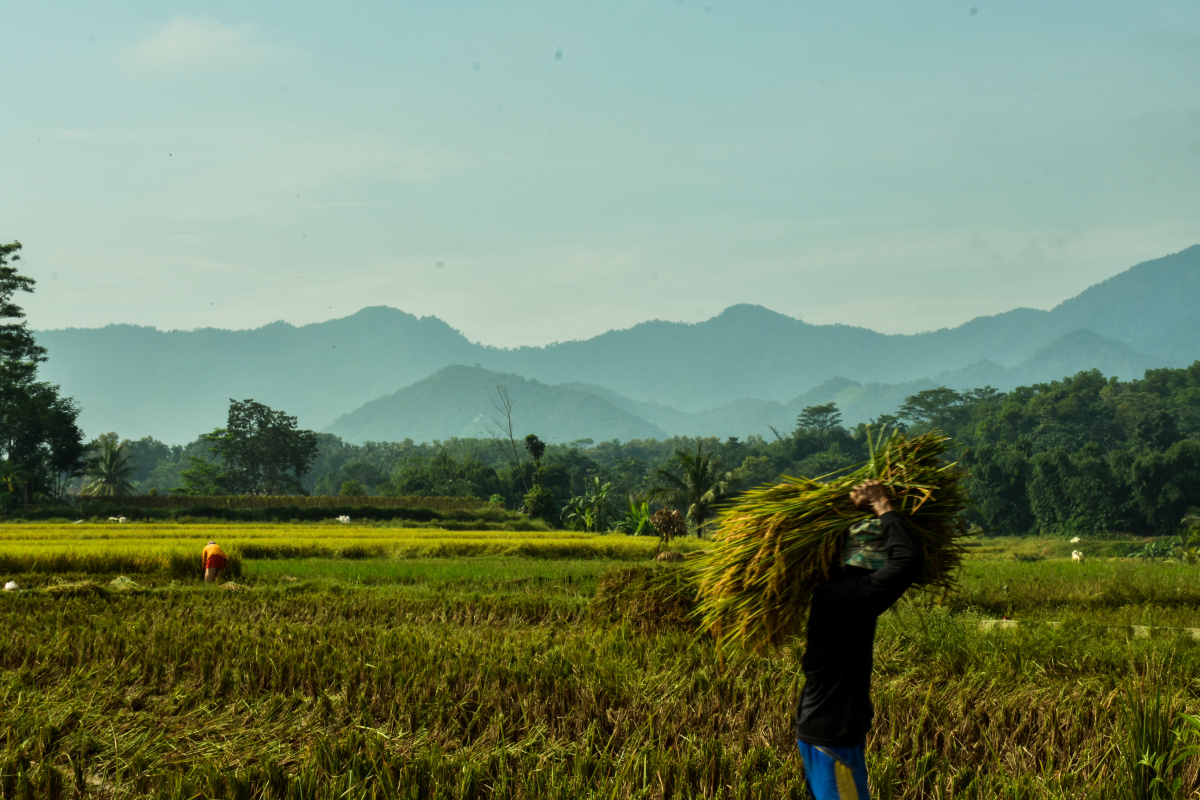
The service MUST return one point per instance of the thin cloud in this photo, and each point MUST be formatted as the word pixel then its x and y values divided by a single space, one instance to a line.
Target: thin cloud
pixel 186 44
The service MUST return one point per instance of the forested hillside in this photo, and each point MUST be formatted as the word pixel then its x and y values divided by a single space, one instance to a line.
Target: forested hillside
pixel 1084 455
pixel 462 402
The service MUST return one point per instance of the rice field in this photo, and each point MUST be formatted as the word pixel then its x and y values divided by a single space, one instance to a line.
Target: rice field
pixel 155 546
pixel 499 675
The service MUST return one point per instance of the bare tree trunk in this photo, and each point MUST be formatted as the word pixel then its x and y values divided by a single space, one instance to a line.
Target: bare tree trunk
pixel 502 429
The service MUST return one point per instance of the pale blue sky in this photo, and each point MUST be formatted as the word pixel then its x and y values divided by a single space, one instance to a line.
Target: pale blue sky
pixel 532 172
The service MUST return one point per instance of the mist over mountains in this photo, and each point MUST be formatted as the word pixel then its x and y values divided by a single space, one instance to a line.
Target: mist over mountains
pixel 383 374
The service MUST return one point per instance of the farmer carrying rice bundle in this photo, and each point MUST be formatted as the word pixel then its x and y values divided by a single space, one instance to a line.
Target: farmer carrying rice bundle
pixel 834 711
pixel 843 552
pixel 213 561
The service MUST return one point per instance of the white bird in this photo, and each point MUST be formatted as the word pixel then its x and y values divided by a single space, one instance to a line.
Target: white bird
pixel 11 586
pixel 1075 540
pixel 121 519
pixel 343 519
pixel 113 519
pixel 77 522
pixel 1077 555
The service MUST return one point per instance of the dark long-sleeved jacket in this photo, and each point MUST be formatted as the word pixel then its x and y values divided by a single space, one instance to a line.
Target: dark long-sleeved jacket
pixel 834 709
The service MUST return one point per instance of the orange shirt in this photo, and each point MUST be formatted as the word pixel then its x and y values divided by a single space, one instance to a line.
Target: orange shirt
pixel 213 556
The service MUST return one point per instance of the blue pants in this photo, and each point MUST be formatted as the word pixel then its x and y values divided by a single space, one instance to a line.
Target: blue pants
pixel 835 773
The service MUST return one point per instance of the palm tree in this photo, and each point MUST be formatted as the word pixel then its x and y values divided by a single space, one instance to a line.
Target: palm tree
pixel 108 472
pixel 695 481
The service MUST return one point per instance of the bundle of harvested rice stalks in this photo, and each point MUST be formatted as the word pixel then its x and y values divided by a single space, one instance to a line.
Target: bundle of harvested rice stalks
pixel 778 543
pixel 648 598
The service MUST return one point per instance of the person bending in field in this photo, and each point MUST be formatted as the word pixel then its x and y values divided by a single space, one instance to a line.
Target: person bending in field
pixel 880 560
pixel 213 561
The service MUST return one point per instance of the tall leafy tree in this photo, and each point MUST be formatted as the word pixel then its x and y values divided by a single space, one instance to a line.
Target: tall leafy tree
pixel 261 450
pixel 694 482
pixel 1165 484
pixel 19 352
pixel 202 477
pixel 824 421
pixel 942 408
pixel 39 436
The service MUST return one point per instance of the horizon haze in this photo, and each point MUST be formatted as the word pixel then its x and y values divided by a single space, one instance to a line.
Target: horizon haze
pixel 382 371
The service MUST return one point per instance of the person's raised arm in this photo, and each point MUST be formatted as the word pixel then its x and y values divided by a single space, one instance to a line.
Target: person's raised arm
pixel 904 557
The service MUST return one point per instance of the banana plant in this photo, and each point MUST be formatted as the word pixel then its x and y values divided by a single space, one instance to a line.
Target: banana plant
pixel 636 519
pixel 587 509
pixel 12 477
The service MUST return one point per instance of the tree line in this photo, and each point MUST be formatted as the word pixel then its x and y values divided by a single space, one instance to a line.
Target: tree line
pixel 1084 455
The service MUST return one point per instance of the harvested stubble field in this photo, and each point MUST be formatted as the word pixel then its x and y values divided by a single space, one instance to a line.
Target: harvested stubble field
pixel 497 677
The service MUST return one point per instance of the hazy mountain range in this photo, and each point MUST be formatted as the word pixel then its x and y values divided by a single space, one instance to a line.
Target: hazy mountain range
pixel 384 374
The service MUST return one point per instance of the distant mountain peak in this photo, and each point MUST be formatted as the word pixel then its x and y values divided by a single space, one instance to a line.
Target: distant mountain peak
pixel 378 314
pixel 458 400
pixel 752 311
pixel 1142 301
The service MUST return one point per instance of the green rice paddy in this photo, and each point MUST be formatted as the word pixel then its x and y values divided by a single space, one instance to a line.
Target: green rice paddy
pixel 431 674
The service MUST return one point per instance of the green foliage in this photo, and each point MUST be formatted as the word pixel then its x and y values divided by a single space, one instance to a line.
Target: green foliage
pixel 262 451
pixel 12 478
pixel 1189 539
pixel 19 352
pixel 202 479
pixel 823 463
pixel 824 420
pixel 1149 748
pixel 1082 456
pixel 1166 483
pixel 587 511
pixel 1076 494
pixel 443 475
pixel 39 437
pixel 636 519
pixel 1164 764
pixel 940 409
pixel 539 503
pixel 535 447
pixel 108 471
pixel 694 481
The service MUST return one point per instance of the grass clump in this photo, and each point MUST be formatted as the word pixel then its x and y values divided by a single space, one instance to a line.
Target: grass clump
pixel 777 544
pixel 123 583
pixel 648 598
pixel 75 589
